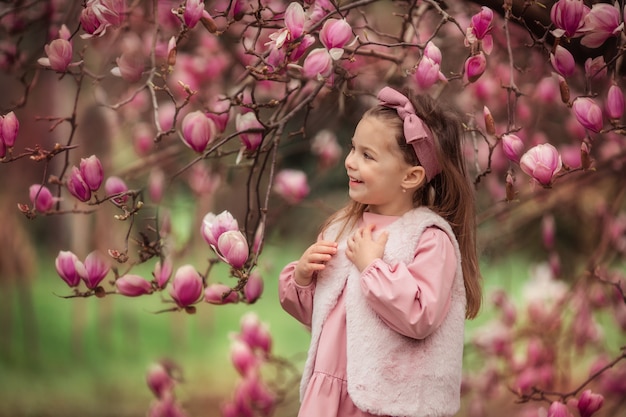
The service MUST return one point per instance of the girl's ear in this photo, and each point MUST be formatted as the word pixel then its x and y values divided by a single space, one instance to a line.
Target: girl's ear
pixel 414 178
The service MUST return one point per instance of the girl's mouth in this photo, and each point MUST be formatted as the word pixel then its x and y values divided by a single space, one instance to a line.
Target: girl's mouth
pixel 354 180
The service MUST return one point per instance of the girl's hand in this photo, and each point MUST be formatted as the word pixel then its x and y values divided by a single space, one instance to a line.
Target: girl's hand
pixel 313 260
pixel 363 249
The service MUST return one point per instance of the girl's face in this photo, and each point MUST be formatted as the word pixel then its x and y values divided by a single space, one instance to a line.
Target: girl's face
pixel 378 172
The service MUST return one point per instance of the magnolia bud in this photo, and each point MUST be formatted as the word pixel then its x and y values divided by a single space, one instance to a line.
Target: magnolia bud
pixel 93 270
pixel 247 121
pixel 253 288
pixel 615 103
pixel 512 146
pixel 91 172
pixel 159 380
pixel 162 272
pixel 585 158
pixel 243 357
pixel 589 403
pixel 490 124
pixel 10 126
pixel 220 294
pixel 132 285
pixel 564 89
pixel 77 186
pixel 198 131
pixel 65 264
pixel 510 187
pixel 186 286
pixel 233 248
pixel 291 184
pixel 588 113
pixel 41 198
pixel 213 226
pixel 475 66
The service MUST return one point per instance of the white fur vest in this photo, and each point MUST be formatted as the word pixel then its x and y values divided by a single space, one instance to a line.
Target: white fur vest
pixel 388 373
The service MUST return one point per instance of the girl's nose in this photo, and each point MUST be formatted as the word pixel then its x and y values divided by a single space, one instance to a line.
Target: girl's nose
pixel 349 162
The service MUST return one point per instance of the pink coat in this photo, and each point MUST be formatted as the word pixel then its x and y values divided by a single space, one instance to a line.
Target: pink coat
pixel 386 372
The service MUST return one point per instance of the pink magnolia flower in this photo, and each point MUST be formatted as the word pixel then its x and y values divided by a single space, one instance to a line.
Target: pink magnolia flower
pixel 243 357
pixel 433 52
pixel 162 272
pixel 166 406
pixel 193 12
pixel 568 16
pixel 248 121
pixel 213 226
pixel 159 380
pixel 130 66
pixel 9 128
pixel 198 130
pixel 558 409
pixel 602 22
pixel 318 64
pixel 59 55
pixel 335 33
pixel 326 147
pixel 93 270
pixel 589 403
pixel 475 66
pixel 588 113
pixel 301 48
pixel 547 90
pixel 186 286
pixel 512 146
pixel 156 183
pixel 98 15
pixel 292 185
pixel 595 68
pixel 220 294
pixel 615 103
pixel 41 198
pixel 116 185
pixel 133 285
pixel 481 22
pixel 427 73
pixel 91 172
pixel 541 162
pixel 65 264
pixel 294 19
pixel 563 61
pixel 220 113
pixel 255 333
pixel 253 288
pixel 233 248
pixel 77 186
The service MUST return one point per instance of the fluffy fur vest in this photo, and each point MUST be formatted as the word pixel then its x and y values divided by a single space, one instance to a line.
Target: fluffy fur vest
pixel 388 373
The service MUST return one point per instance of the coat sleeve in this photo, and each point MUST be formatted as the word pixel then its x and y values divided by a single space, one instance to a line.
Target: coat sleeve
pixel 297 300
pixel 413 299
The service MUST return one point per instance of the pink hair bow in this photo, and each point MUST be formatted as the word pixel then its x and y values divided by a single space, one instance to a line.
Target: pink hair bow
pixel 415 130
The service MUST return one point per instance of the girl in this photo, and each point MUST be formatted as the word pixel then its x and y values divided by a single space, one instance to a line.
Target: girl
pixel 386 288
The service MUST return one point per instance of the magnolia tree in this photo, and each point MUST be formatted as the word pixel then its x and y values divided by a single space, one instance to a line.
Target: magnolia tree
pixel 206 94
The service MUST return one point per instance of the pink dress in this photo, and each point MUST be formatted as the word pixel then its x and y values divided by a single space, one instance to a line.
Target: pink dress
pixel 412 299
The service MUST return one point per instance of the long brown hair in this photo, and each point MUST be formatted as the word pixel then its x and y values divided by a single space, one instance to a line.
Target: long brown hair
pixel 448 194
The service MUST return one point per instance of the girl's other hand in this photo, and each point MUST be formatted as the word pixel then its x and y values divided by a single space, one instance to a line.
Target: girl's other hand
pixel 313 260
pixel 362 249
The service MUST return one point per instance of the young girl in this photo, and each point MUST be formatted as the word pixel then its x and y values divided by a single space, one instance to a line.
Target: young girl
pixel 387 286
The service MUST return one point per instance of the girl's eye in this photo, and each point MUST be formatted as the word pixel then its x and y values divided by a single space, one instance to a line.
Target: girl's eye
pixel 367 156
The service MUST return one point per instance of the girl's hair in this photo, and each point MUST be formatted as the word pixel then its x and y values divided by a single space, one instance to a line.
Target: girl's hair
pixel 448 194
